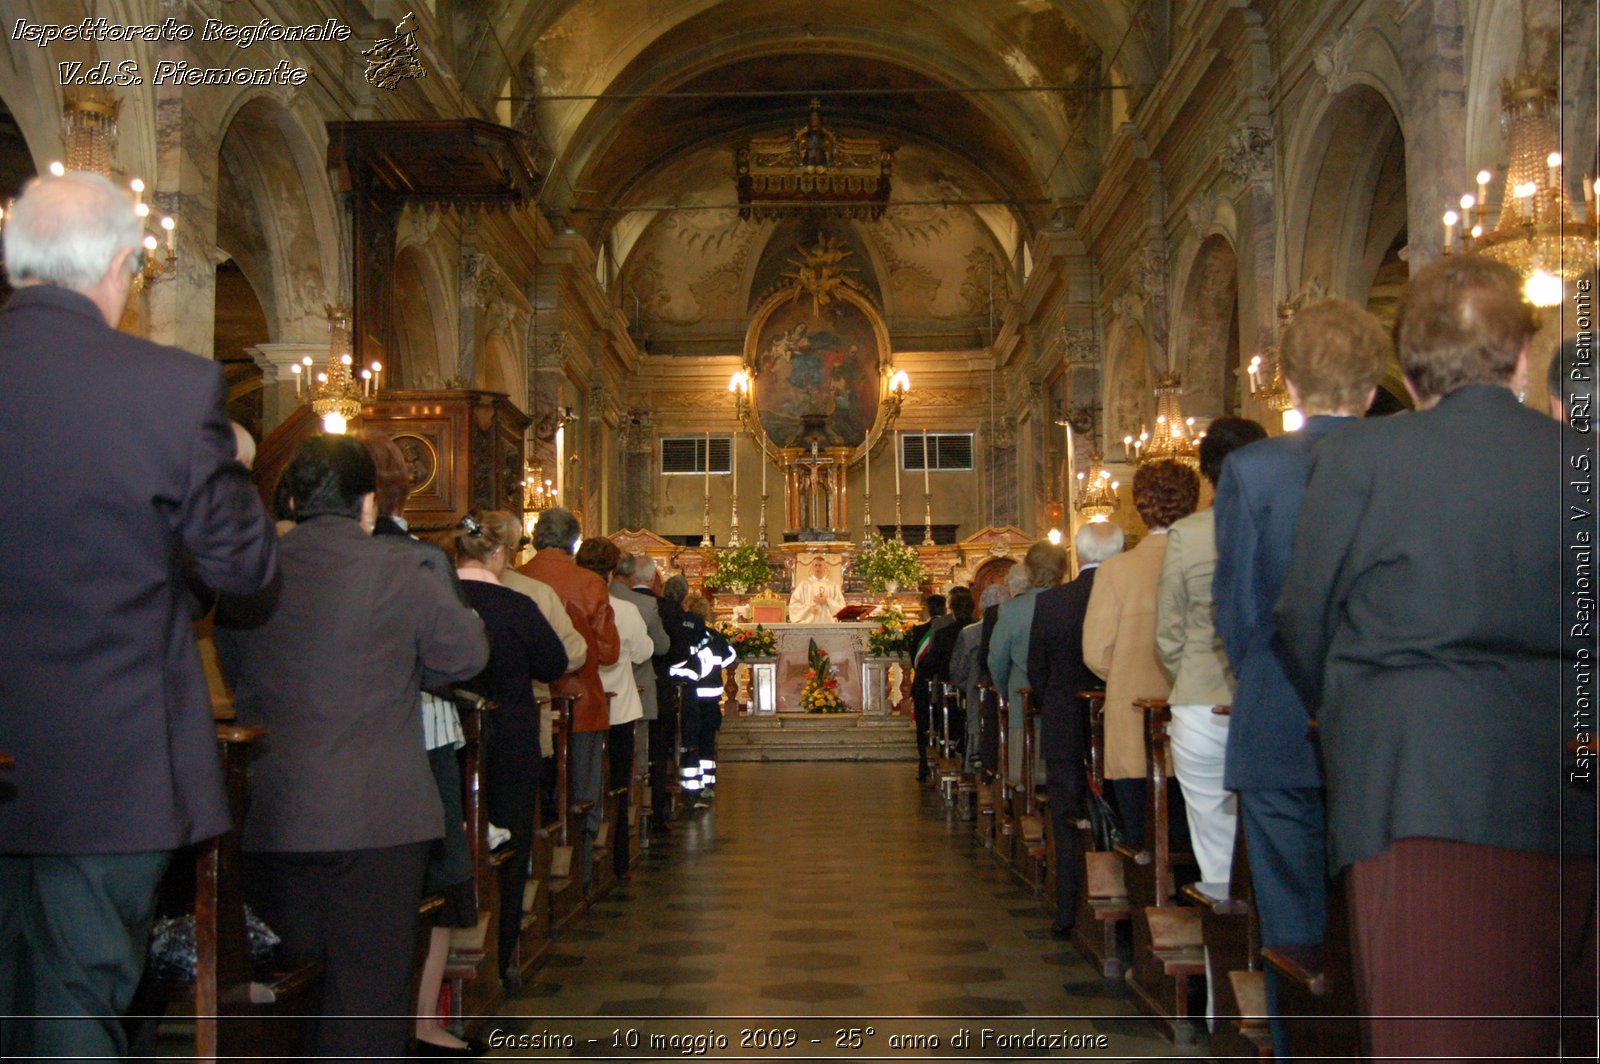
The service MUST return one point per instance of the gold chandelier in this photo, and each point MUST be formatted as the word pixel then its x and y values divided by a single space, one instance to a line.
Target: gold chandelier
pixel 1097 492
pixel 1173 438
pixel 337 392
pixel 1538 232
pixel 89 129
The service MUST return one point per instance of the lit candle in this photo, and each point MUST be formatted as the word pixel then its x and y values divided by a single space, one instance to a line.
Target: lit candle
pixel 1450 218
pixel 926 463
pixel 1553 171
pixel 1127 447
pixel 377 377
pixel 138 190
pixel 366 383
pixel 1588 198
pixel 1483 189
pixel 169 225
pixel 295 369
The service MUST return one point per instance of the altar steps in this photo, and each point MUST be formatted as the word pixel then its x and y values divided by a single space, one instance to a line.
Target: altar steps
pixel 816 737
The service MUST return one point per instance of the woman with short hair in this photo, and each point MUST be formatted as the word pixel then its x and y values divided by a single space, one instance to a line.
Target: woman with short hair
pixel 523 648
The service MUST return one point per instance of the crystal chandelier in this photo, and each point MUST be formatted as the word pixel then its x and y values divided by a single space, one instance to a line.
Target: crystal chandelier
pixel 1097 492
pixel 337 391
pixel 89 129
pixel 1538 232
pixel 1173 438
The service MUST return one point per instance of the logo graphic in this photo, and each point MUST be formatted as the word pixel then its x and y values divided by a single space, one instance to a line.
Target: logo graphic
pixel 394 59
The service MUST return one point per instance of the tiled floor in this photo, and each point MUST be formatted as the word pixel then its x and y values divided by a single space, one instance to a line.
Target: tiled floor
pixel 816 898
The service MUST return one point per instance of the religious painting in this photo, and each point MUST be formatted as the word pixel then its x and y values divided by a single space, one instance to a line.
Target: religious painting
pixel 422 462
pixel 819 358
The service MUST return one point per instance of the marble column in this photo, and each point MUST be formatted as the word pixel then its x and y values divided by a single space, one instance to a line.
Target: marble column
pixel 1434 118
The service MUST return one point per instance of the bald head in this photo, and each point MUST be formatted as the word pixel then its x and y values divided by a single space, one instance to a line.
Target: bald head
pixel 77 231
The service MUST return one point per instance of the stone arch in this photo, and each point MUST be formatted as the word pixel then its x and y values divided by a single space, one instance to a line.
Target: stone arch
pixel 276 215
pixel 1207 334
pixel 1129 386
pixel 499 369
pixel 1346 194
pixel 425 348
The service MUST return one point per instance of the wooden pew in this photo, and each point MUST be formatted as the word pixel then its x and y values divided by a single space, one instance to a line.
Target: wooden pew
pixel 1005 813
pixel 1232 935
pixel 1316 984
pixel 566 888
pixel 1168 941
pixel 472 973
pixel 1103 905
pixel 230 998
pixel 966 783
pixel 988 786
pixel 1032 850
pixel 947 770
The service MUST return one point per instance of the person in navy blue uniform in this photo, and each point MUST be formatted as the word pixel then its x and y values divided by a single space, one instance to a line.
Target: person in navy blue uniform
pixel 117 460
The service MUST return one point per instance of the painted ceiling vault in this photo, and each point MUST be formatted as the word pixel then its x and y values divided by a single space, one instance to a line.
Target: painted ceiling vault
pixel 997 110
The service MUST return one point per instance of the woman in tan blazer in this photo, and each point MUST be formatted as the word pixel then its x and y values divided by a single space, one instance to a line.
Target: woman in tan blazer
pixel 1192 653
pixel 1119 633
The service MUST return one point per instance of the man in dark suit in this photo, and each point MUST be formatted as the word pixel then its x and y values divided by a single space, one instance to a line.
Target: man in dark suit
pixel 1333 353
pixel 118 459
pixel 1056 668
pixel 1431 650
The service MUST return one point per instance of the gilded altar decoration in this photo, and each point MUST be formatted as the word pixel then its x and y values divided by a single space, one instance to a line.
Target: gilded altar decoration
pixel 813 168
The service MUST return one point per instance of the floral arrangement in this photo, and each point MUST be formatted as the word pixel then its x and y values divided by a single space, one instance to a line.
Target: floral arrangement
pixel 821 691
pixel 740 569
pixel 757 642
pixel 885 562
pixel 889 639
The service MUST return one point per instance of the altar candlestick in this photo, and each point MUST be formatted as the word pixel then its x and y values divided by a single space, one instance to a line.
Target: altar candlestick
pixel 708 466
pixel 898 450
pixel 925 462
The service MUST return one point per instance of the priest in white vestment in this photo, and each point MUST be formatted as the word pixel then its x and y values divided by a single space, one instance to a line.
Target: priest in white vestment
pixel 816 598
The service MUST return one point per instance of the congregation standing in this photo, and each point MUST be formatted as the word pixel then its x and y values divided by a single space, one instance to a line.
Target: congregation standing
pixel 1361 647
pixel 1375 598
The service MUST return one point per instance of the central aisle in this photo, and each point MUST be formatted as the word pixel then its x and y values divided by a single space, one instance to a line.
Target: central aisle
pixel 820 890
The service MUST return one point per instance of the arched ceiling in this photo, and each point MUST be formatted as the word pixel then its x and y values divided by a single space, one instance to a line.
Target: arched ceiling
pixel 627 88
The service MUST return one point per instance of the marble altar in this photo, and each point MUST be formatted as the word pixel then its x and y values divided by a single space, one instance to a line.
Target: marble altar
pixel 846 645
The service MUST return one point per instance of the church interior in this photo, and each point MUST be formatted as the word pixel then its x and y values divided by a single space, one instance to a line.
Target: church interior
pixel 822 308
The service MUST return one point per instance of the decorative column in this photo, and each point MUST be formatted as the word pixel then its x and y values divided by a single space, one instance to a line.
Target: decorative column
pixel 839 492
pixel 792 485
pixel 1433 55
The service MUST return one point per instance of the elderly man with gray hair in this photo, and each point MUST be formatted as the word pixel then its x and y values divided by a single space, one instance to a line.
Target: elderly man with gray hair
pixel 1055 665
pixel 119 459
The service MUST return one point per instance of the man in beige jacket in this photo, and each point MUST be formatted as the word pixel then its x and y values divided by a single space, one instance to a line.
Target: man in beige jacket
pixel 1119 633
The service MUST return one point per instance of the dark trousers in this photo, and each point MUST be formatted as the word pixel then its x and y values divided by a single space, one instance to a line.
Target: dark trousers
pixel 1457 950
pixel 1064 739
pixel 73 933
pixel 511 789
pixel 920 713
pixel 356 912
pixel 619 750
pixel 1286 844
pixel 1132 794
pixel 663 736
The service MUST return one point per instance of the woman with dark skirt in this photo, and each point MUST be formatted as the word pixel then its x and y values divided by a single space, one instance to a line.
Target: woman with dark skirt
pixel 522 648
pixel 450 873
